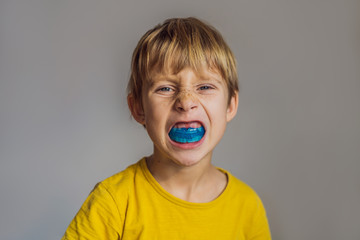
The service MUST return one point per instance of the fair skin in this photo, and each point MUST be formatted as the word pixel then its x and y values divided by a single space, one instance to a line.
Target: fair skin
pixel 201 98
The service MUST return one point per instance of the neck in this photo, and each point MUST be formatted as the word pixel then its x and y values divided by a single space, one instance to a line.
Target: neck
pixel 200 182
pixel 167 171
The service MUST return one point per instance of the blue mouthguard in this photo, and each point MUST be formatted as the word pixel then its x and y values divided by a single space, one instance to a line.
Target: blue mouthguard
pixel 186 135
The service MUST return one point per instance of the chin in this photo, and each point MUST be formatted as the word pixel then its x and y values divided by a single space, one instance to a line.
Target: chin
pixel 188 161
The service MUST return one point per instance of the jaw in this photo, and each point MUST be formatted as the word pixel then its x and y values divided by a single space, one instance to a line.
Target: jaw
pixel 179 157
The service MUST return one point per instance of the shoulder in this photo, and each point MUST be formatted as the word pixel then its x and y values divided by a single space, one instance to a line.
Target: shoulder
pixel 247 201
pixel 114 191
pixel 251 207
pixel 240 185
pixel 122 181
pixel 108 200
pixel 241 191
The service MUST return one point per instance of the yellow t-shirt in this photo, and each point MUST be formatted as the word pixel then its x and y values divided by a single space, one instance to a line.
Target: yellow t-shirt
pixel 132 205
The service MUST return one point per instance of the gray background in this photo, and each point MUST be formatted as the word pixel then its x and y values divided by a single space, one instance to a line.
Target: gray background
pixel 64 123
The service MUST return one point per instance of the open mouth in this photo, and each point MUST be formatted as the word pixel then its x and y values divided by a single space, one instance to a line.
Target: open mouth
pixel 187 132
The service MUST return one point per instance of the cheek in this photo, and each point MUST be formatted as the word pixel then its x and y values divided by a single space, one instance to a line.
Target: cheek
pixel 156 113
pixel 215 104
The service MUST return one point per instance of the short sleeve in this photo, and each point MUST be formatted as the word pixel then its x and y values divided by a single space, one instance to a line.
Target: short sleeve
pixel 260 227
pixel 98 218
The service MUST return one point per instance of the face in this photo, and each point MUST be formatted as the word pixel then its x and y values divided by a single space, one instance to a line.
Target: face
pixel 187 100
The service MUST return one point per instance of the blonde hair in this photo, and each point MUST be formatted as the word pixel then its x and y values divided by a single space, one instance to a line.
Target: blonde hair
pixel 180 43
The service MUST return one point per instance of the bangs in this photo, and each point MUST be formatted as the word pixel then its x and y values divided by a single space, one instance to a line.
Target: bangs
pixel 180 43
pixel 182 46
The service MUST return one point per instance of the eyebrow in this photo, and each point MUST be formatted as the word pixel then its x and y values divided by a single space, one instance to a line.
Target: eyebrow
pixel 173 78
pixel 161 77
pixel 212 79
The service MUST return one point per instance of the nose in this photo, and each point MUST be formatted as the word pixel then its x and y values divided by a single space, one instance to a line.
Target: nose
pixel 186 101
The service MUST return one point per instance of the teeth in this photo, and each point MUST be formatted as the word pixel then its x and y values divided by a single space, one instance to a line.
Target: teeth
pixel 194 125
pixel 188 125
pixel 180 125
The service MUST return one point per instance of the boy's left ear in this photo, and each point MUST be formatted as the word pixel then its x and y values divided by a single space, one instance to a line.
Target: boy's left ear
pixel 232 107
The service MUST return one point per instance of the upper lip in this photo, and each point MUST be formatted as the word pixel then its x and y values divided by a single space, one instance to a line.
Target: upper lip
pixel 186 121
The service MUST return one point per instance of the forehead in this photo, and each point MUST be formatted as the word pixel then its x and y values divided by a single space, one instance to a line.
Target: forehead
pixel 201 74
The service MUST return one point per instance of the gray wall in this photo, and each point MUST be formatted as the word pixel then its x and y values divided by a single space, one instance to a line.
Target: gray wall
pixel 64 123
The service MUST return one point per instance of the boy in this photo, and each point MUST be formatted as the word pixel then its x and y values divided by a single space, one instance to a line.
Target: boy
pixel 183 90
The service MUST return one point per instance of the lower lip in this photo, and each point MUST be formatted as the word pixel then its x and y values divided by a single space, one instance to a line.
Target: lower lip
pixel 187 146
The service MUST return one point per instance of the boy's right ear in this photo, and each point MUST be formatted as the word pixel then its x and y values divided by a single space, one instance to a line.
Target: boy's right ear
pixel 136 109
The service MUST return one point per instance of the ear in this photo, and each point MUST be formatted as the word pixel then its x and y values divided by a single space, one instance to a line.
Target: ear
pixel 136 109
pixel 232 107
